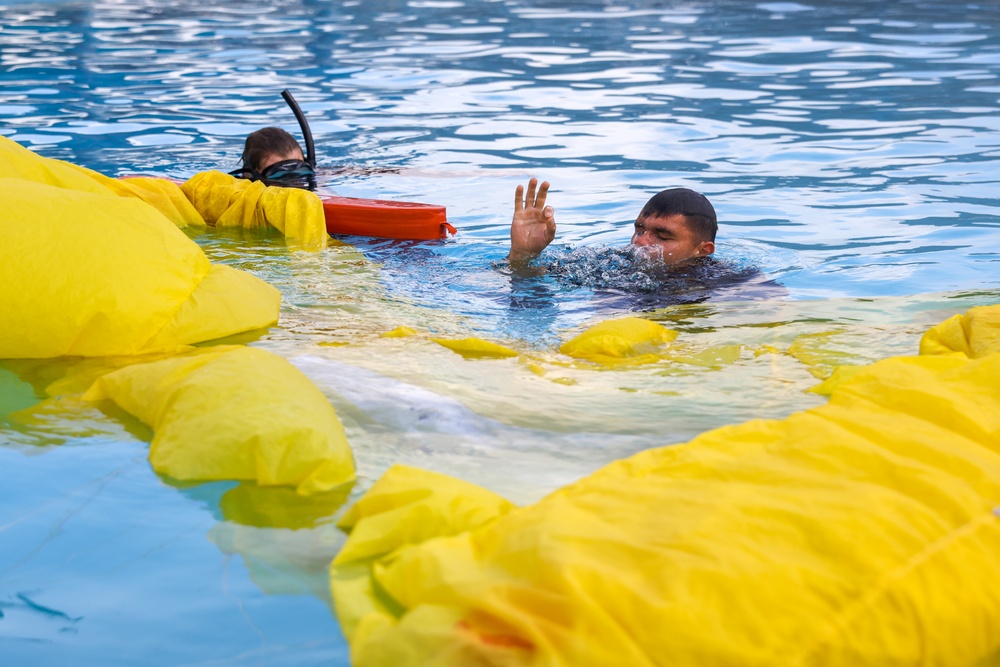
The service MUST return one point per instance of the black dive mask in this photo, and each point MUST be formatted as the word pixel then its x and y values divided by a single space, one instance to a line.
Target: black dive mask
pixel 286 174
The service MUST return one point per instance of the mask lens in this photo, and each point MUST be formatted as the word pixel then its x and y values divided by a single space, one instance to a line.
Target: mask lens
pixel 290 174
pixel 287 169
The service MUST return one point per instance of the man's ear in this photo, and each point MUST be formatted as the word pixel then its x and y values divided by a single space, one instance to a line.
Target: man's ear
pixel 705 248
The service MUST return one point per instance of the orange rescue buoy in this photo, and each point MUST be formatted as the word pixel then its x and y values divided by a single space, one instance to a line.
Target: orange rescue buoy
pixel 386 219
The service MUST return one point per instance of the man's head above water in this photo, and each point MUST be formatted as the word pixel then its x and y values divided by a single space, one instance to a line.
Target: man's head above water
pixel 268 146
pixel 273 156
pixel 675 225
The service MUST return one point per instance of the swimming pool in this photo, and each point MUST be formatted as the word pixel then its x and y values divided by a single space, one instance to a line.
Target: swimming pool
pixel 851 151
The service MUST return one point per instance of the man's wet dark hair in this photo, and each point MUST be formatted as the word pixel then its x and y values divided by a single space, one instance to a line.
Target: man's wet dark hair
pixel 695 207
pixel 267 141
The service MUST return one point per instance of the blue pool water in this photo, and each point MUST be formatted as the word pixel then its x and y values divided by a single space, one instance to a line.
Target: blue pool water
pixel 851 149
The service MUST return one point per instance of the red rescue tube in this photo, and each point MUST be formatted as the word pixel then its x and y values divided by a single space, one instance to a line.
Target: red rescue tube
pixel 381 218
pixel 386 219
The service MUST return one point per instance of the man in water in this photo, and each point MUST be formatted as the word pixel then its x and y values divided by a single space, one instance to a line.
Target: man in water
pixel 274 156
pixel 669 260
pixel 673 227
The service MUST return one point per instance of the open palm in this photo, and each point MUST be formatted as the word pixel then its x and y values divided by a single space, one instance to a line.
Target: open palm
pixel 534 224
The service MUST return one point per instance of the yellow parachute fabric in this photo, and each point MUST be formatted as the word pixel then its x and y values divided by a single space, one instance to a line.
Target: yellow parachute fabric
pixel 402 331
pixel 16 161
pixel 165 196
pixel 862 532
pixel 405 506
pixel 408 505
pixel 628 340
pixel 476 348
pixel 226 201
pixel 233 412
pixel 975 334
pixel 94 274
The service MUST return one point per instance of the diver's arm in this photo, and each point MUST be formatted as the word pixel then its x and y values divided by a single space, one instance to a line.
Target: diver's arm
pixel 533 226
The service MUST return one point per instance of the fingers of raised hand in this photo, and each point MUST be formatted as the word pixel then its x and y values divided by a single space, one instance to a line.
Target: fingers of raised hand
pixel 529 200
pixel 543 191
pixel 519 198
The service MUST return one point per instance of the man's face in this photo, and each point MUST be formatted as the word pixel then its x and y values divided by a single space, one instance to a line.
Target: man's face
pixel 670 239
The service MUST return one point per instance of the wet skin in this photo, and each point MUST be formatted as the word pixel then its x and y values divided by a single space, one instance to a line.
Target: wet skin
pixel 533 227
pixel 669 238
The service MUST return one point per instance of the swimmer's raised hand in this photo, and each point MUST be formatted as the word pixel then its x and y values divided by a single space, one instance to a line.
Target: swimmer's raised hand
pixel 534 223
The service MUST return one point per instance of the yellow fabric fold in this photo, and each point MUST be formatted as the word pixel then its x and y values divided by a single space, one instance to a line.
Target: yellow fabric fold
pixel 405 506
pixel 16 161
pixel 975 334
pixel 87 272
pixel 629 340
pixel 226 201
pixel 232 412
pixel 164 195
pixel 861 532
pixel 476 348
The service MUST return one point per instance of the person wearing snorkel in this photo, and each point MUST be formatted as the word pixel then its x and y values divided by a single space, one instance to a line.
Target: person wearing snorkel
pixel 675 225
pixel 243 198
pixel 273 156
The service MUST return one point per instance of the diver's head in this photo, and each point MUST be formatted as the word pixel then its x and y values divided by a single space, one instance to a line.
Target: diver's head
pixel 273 156
pixel 676 225
pixel 268 145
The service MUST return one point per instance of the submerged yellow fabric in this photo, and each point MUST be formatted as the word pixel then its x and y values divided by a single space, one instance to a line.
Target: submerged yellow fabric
pixel 232 412
pixel 862 532
pixel 226 201
pixel 476 348
pixel 628 340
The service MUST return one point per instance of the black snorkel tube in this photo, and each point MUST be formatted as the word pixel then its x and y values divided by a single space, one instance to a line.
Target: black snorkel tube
pixel 304 125
pixel 290 172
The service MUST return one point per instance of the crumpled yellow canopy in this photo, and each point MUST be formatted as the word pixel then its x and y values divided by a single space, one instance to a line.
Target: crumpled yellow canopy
pixel 405 506
pixel 16 161
pixel 231 412
pixel 975 334
pixel 93 274
pixel 226 201
pixel 862 532
pixel 209 197
pixel 165 196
